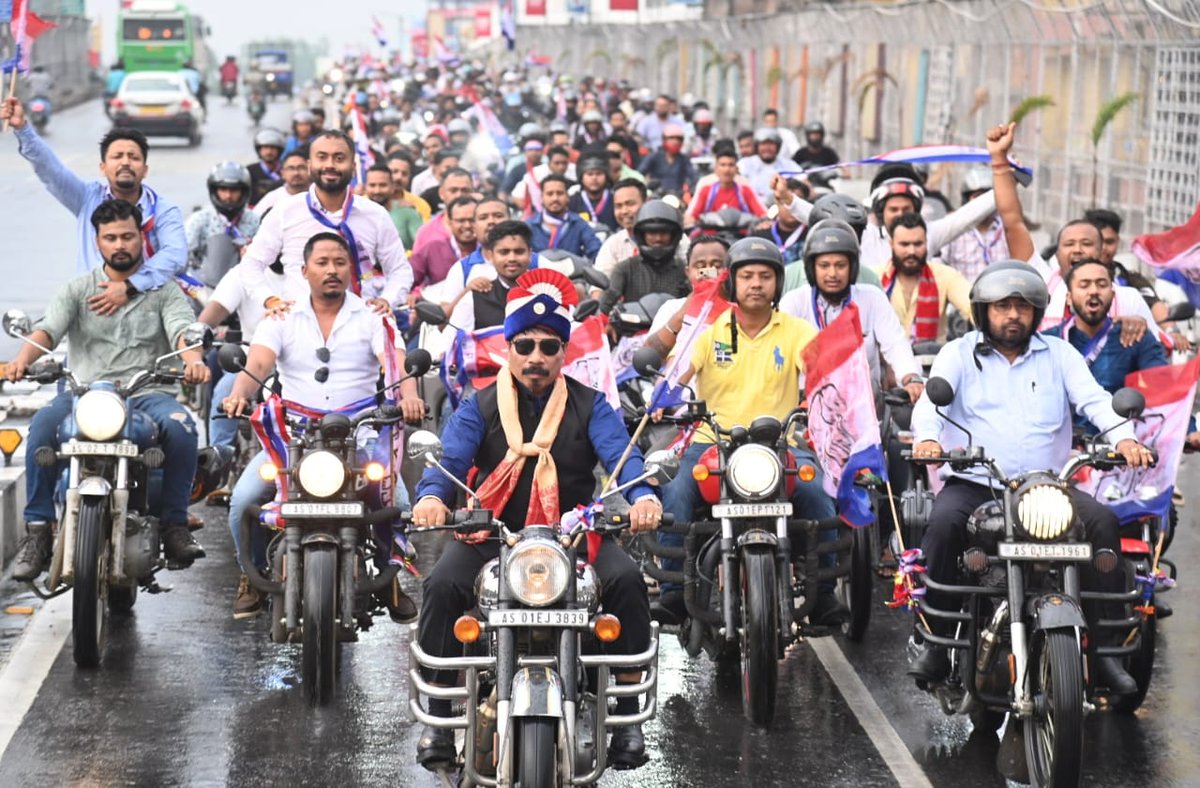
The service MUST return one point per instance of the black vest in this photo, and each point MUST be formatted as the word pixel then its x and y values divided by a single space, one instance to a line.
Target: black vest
pixel 489 306
pixel 574 457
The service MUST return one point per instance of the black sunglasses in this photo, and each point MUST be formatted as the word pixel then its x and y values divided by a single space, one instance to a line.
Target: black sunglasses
pixel 549 347
pixel 322 374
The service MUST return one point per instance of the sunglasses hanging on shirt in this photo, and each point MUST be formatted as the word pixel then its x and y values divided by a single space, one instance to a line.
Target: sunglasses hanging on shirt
pixel 322 374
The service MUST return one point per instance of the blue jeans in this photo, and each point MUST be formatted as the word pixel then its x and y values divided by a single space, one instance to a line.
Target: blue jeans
pixel 221 432
pixel 176 437
pixel 681 498
pixel 251 490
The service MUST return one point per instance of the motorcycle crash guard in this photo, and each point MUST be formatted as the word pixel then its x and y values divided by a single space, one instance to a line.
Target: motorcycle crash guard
pixel 537 692
pixel 1055 611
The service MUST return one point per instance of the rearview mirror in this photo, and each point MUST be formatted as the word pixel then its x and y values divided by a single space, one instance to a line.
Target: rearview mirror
pixel 939 391
pixel 198 335
pixel 1128 403
pixel 1182 311
pixel 594 277
pixel 587 307
pixel 647 362
pixel 232 358
pixel 417 362
pixel 421 443
pixel 663 464
pixel 431 313
pixel 17 323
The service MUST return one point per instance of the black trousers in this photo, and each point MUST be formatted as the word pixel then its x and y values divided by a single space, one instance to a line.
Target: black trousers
pixel 449 592
pixel 946 539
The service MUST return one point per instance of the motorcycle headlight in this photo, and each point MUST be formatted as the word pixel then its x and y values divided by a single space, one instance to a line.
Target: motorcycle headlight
pixel 100 415
pixel 753 471
pixel 538 572
pixel 321 474
pixel 1045 512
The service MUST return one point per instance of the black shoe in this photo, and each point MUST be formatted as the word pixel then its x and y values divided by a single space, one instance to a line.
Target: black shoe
pixel 627 748
pixel 1162 610
pixel 400 606
pixel 930 666
pixel 1110 673
pixel 435 748
pixel 829 610
pixel 180 547
pixel 33 552
pixel 669 609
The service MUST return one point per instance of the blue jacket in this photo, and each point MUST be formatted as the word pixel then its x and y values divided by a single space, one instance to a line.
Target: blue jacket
pixel 81 198
pixel 671 176
pixel 575 236
pixel 465 430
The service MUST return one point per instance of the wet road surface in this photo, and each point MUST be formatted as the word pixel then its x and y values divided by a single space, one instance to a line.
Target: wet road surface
pixel 188 696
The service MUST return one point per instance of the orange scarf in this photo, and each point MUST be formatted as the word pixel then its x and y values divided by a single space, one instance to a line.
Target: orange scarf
pixel 496 491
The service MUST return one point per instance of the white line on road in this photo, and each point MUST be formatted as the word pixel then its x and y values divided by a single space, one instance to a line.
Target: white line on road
pixel 30 663
pixel 897 757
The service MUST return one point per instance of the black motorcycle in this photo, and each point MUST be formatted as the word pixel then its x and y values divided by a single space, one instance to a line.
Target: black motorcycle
pixel 229 90
pixel 1020 643
pixel 256 106
pixel 751 568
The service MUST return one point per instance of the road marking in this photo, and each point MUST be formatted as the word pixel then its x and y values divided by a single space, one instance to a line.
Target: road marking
pixel 30 663
pixel 891 748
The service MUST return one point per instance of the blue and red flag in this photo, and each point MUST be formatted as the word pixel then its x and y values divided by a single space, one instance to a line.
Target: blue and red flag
pixel 25 27
pixel 918 154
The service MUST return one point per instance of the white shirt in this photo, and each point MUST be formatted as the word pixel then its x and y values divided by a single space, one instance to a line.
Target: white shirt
pixel 665 313
pixel 620 246
pixel 232 294
pixel 270 200
pixel 464 311
pixel 539 174
pixel 287 229
pixel 355 344
pixel 423 181
pixel 790 143
pixel 882 332
pixel 759 173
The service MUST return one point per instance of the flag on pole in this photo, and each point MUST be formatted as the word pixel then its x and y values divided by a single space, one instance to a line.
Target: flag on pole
pixel 362 145
pixel 443 53
pixel 842 426
pixel 705 306
pixel 1138 492
pixel 919 154
pixel 378 31
pixel 508 24
pixel 25 27
pixel 1176 255
pixel 589 359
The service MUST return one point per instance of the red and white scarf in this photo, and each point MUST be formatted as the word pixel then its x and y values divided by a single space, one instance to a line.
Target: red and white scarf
pixel 929 306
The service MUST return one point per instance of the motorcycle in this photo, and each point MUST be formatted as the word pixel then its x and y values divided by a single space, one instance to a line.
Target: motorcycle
pixel 108 545
pixel 729 223
pixel 1021 643
pixel 745 566
pixel 256 106
pixel 325 570
pixel 229 90
pixel 532 714
pixel 39 112
pixel 631 324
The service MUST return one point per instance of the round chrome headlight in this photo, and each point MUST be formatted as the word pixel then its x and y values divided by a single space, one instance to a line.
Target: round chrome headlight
pixel 321 474
pixel 753 471
pixel 1045 512
pixel 538 572
pixel 100 415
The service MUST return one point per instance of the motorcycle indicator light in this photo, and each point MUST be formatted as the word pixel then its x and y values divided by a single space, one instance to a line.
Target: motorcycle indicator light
pixel 467 629
pixel 607 628
pixel 268 472
pixel 374 471
pixel 807 473
pixel 975 560
pixel 700 472
pixel 1105 561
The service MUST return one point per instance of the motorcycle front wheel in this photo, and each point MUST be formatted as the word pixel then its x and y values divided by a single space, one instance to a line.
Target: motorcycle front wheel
pixel 1054 734
pixel 858 586
pixel 319 660
pixel 89 596
pixel 539 753
pixel 760 638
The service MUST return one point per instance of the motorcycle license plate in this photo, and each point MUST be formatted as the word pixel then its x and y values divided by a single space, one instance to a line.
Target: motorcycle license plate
pixel 538 618
pixel 99 449
pixel 307 509
pixel 734 510
pixel 1032 551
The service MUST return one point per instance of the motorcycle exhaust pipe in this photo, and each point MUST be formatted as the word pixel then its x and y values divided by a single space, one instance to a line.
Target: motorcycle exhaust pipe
pixel 989 642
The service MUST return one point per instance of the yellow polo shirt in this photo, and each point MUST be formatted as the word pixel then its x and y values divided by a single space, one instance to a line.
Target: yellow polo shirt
pixel 761 379
pixel 952 286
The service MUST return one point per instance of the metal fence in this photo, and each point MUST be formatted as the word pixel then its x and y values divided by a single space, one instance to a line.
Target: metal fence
pixel 890 74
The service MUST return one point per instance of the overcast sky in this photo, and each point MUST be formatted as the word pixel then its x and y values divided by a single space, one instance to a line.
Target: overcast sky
pixel 234 22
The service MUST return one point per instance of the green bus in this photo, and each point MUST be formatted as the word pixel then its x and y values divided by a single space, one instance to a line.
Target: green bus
pixel 160 35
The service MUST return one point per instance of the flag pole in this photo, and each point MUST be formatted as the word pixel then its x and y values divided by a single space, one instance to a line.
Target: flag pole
pixel 612 477
pixel 12 91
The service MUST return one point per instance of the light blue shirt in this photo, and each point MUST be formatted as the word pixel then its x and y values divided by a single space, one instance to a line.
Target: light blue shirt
pixel 1021 412
pixel 81 197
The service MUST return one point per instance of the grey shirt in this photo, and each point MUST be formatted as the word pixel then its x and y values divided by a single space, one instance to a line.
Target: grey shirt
pixel 116 347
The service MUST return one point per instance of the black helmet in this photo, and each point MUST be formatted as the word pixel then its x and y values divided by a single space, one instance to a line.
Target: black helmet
pixel 1008 279
pixel 895 180
pixel 830 236
pixel 842 207
pixel 754 250
pixel 814 127
pixel 657 215
pixel 270 138
pixel 231 175
pixel 592 163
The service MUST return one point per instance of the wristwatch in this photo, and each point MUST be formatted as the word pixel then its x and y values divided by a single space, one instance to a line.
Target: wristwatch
pixel 130 290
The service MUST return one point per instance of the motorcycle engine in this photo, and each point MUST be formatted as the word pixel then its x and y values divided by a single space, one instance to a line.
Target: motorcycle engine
pixel 985 526
pixel 585 734
pixel 141 546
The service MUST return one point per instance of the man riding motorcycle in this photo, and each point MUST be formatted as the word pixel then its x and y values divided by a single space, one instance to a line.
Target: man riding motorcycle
pixel 327 352
pixel 654 269
pixel 593 201
pixel 1015 391
pixel 265 175
pixel 842 207
pixel 748 364
pixel 555 227
pixel 294 170
pixel 919 288
pixel 113 347
pixel 535 437
pixel 219 233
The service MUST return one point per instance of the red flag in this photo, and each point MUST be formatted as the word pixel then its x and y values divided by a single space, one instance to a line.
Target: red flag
pixel 623 5
pixel 535 7
pixel 1177 248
